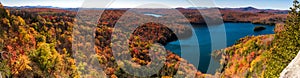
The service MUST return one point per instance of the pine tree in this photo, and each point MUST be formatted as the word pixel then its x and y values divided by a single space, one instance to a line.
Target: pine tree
pixel 3 12
pixel 286 44
pixel 1 6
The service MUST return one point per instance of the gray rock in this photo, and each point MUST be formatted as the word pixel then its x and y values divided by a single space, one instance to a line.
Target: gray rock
pixel 293 69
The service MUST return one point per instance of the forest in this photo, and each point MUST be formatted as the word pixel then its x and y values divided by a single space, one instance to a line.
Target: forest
pixel 263 56
pixel 38 42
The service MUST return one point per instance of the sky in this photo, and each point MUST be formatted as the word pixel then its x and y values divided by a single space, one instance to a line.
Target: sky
pixel 261 4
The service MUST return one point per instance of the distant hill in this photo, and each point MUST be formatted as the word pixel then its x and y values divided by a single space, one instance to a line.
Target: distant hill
pixel 30 7
pixel 243 9
pixel 255 10
pixel 246 14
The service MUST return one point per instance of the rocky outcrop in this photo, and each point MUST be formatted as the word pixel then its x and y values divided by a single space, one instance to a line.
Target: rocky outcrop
pixel 293 69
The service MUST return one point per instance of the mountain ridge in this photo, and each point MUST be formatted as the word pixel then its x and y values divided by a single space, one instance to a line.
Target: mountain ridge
pixel 242 8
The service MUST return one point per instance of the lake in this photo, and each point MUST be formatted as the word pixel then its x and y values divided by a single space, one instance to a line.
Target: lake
pixel 153 14
pixel 234 31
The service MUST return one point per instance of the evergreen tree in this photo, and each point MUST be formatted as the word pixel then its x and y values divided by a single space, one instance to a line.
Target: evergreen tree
pixel 286 44
pixel 3 12
pixel 1 6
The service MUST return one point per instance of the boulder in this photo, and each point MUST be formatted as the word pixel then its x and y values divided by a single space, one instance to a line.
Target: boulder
pixel 293 69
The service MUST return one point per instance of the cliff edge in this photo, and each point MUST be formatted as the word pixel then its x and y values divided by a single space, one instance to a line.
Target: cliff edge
pixel 293 69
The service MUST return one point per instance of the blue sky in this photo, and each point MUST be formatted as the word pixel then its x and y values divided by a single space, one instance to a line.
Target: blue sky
pixel 262 4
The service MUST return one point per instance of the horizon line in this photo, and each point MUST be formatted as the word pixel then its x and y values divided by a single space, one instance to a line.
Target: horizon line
pixel 146 8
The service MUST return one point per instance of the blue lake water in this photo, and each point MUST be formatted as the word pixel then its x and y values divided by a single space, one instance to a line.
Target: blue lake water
pixel 234 31
pixel 152 14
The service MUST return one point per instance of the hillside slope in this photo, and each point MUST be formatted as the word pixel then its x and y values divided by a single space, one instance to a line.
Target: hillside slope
pixel 246 58
pixel 37 44
pixel 266 55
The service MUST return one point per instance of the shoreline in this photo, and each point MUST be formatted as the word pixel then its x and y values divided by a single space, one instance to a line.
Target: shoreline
pixel 173 37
